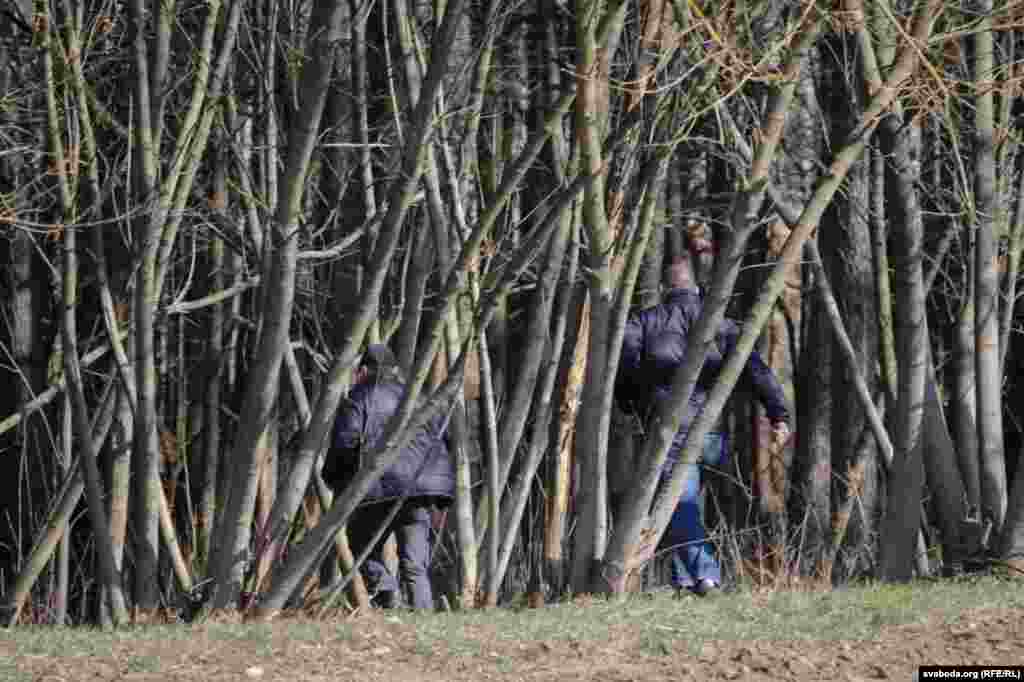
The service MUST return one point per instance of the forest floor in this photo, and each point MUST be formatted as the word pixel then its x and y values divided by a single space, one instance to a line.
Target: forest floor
pixel 868 632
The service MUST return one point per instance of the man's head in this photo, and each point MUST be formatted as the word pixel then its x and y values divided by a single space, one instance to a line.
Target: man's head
pixel 699 238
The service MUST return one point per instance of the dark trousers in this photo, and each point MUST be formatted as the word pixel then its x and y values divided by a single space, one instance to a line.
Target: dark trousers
pixel 412 531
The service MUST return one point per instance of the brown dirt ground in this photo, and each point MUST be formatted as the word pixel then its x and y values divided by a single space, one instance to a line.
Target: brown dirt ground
pixel 383 648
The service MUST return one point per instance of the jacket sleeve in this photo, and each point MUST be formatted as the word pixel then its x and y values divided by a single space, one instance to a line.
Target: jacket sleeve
pixel 626 380
pixel 760 377
pixel 342 460
pixel 769 390
pixel 632 345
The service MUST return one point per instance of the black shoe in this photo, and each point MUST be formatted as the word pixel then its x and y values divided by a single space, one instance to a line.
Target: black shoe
pixel 705 587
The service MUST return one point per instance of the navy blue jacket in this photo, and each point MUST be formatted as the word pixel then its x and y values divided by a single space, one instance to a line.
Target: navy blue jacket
pixel 653 347
pixel 422 470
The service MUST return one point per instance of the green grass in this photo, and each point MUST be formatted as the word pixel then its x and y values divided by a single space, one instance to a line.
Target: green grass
pixel 661 622
pixel 850 613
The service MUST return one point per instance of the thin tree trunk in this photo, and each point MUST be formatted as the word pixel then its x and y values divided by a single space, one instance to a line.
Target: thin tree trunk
pixel 492 544
pixel 563 476
pixel 986 277
pixel 558 478
pixel 211 379
pixel 57 524
pixel 63 559
pixel 109 576
pixel 943 475
pixel 1013 254
pixel 543 409
pixel 903 513
pixel 235 527
pixel 422 263
pixel 124 399
pixel 64 505
pixel 591 445
pixel 146 450
pixel 163 12
pixel 818 423
pixel 965 399
pixel 811 504
pixel 883 287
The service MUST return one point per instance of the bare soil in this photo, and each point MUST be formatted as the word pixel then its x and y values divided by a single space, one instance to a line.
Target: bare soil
pixel 385 647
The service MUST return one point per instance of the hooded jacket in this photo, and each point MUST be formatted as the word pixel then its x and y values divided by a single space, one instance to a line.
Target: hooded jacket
pixel 422 469
pixel 653 347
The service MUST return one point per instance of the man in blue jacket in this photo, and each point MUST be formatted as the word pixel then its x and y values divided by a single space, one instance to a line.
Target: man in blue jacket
pixel 422 477
pixel 653 348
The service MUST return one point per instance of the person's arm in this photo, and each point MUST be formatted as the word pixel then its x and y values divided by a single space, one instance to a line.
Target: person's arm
pixel 766 387
pixel 632 345
pixel 629 360
pixel 342 460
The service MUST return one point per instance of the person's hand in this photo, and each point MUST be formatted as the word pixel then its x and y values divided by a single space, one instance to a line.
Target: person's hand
pixel 780 434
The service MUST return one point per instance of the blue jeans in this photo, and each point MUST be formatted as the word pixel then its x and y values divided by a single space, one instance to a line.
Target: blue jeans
pixel 412 531
pixel 693 556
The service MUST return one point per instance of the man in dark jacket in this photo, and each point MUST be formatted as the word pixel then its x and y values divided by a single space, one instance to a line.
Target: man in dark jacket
pixel 653 348
pixel 422 476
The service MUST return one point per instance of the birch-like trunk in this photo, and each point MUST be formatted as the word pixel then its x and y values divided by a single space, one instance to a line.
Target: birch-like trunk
pixel 146 451
pixel 965 398
pixel 595 50
pixel 235 527
pixel 986 277
pixel 901 142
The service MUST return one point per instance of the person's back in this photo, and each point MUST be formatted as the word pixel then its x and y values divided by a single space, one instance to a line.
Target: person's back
pixel 422 469
pixel 655 341
pixel 420 479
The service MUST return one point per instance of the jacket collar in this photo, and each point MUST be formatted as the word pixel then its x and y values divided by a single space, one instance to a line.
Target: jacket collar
pixel 683 293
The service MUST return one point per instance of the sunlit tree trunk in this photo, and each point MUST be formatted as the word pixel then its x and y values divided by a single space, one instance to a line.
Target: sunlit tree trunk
pixel 903 513
pixel 261 391
pixel 591 443
pixel 146 450
pixel 986 277
pixel 855 459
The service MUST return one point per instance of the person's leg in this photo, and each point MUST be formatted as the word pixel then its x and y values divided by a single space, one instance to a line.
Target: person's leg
pixel 693 558
pixel 412 528
pixel 362 528
pixel 714 458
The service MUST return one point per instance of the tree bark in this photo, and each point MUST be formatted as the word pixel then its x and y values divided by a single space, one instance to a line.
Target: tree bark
pixel 591 444
pixel 235 527
pixel 903 512
pixel 986 277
